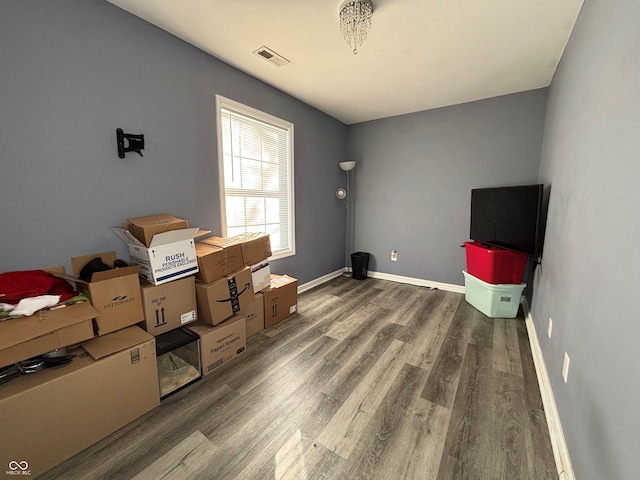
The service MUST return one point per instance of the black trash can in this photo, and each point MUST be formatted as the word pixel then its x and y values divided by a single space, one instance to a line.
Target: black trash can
pixel 359 265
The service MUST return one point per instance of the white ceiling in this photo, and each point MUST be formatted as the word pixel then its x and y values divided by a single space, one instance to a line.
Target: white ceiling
pixel 420 54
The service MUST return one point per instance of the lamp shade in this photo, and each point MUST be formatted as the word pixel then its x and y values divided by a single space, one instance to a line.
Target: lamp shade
pixel 346 166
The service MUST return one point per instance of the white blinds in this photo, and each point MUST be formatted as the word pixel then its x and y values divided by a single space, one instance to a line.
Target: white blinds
pixel 257 172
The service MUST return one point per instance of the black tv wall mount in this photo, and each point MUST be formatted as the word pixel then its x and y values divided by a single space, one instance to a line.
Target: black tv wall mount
pixel 135 143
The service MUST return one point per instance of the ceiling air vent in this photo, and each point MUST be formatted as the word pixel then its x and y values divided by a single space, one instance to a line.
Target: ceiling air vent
pixel 271 56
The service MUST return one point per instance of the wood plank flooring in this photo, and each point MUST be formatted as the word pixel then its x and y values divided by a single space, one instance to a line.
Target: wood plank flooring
pixel 370 380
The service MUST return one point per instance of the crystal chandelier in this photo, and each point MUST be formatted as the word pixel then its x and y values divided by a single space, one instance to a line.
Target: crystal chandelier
pixel 355 21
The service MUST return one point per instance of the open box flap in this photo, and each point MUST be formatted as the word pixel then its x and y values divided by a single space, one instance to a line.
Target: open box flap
pixel 222 242
pixel 127 237
pixel 172 236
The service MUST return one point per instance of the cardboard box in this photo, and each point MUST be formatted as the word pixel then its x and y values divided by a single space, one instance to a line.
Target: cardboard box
pixel 216 262
pixel 255 316
pixel 144 228
pixel 260 276
pixel 101 347
pixel 51 415
pixel 115 294
pixel 231 294
pixel 44 331
pixel 171 255
pixel 169 305
pixel 256 246
pixel 280 299
pixel 222 343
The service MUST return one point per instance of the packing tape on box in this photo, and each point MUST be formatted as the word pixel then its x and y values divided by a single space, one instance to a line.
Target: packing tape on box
pixel 234 294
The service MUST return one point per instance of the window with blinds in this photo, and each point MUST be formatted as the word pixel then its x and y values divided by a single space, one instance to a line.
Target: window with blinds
pixel 256 174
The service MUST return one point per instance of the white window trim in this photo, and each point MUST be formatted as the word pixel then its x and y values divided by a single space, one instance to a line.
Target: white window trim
pixel 226 103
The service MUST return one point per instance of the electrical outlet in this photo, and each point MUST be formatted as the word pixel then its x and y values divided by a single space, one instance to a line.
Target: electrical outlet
pixel 565 367
pixel 550 327
pixel 394 255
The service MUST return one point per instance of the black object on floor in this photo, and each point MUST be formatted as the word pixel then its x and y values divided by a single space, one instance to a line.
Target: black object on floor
pixel 360 265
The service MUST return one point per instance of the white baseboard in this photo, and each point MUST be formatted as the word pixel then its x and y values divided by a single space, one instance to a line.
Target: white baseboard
pixel 417 281
pixel 558 442
pixel 320 280
pixel 449 287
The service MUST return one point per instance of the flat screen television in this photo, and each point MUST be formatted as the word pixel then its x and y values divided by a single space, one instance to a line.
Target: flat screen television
pixel 508 217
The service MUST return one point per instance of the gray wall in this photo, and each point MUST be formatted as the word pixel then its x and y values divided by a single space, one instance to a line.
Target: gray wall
pixel 591 263
pixel 72 71
pixel 415 174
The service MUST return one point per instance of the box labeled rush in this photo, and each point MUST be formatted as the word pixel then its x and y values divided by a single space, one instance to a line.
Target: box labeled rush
pixel 171 255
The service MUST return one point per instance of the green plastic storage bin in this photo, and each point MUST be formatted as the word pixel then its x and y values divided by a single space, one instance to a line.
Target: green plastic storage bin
pixel 495 301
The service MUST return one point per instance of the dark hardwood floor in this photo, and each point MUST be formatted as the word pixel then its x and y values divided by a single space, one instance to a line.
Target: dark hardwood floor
pixel 370 380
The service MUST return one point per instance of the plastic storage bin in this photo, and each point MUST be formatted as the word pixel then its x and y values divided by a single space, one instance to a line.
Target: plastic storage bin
pixel 495 301
pixel 494 265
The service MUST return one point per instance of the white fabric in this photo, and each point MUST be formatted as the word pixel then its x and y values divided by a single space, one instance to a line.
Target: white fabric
pixel 29 306
pixel 6 307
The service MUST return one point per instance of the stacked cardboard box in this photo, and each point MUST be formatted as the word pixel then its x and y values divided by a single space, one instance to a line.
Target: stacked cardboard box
pixel 168 306
pixel 215 262
pixel 261 275
pixel 114 293
pixel 255 316
pixel 165 248
pixel 51 415
pixel 227 296
pixel 221 343
pixel 255 249
pixel 145 228
pixel 277 295
pixel 231 273
pixel 122 356
pixel 228 274
pixel 221 289
pixel 280 299
pixel 162 245
pixel 45 330
pixel 67 400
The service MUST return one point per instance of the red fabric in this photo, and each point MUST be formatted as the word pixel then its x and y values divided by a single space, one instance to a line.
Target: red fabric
pixel 14 286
